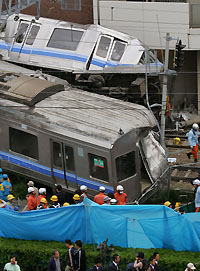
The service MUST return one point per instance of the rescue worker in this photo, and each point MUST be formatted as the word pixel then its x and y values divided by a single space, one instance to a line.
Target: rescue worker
pixel 42 195
pixel 6 186
pixel 106 200
pixel 84 191
pixel 99 198
pixel 168 204
pixel 1 175
pixel 10 205
pixel 113 202
pixel 54 202
pixel 32 201
pixel 77 199
pixel 120 196
pixel 60 194
pixel 1 191
pixel 31 184
pixel 66 204
pixel 43 203
pixel 196 184
pixel 193 136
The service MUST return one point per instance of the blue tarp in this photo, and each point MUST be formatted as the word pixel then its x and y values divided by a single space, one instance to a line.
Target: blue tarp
pixel 142 226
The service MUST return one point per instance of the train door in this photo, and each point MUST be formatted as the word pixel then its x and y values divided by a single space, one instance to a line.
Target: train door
pixel 102 52
pixel 21 47
pixel 63 165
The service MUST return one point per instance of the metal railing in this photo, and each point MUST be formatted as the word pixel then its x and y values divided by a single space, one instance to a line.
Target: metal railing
pixel 9 7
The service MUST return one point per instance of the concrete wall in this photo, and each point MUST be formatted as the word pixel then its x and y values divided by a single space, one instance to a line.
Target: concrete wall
pixel 147 21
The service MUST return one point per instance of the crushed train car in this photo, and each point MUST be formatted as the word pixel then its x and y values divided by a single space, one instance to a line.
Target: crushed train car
pixel 89 56
pixel 72 137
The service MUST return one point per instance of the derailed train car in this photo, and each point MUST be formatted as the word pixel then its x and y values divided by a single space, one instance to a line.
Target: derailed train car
pixel 72 137
pixel 87 55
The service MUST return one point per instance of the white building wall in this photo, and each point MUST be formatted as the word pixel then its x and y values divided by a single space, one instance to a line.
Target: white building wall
pixel 148 21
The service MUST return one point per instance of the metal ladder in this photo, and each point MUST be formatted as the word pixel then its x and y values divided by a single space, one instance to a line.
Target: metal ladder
pixel 9 7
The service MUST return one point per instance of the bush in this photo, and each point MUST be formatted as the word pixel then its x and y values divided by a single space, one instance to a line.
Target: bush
pixel 34 255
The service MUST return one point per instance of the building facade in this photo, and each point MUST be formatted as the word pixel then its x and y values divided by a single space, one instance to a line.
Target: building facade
pixel 76 11
pixel 149 21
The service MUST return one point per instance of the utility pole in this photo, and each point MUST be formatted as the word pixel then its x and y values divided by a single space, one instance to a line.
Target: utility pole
pixel 164 90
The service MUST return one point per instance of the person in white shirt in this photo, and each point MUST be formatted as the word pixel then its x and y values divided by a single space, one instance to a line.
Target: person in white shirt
pixel 190 267
pixel 12 266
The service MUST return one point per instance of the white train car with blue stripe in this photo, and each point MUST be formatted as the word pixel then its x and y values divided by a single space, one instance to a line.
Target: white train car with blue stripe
pixel 72 137
pixel 87 55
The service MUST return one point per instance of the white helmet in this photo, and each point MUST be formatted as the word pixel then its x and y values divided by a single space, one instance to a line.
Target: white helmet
pixel 195 126
pixel 83 188
pixel 42 190
pixel 120 188
pixel 196 182
pixel 31 189
pixel 113 202
pixel 102 189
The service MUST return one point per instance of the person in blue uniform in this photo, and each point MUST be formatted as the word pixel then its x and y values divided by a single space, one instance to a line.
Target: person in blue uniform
pixel 10 203
pixel 1 191
pixel 6 186
pixel 193 136
pixel 1 175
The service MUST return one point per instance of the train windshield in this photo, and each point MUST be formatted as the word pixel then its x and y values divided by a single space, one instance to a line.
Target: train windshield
pixel 118 50
pixel 125 166
pixel 150 58
pixel 98 167
pixel 103 47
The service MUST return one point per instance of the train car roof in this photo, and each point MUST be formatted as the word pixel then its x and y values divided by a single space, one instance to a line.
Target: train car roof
pixel 82 115
pixel 99 28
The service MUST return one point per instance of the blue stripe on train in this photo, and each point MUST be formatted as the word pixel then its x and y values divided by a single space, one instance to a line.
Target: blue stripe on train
pixel 64 55
pixel 47 171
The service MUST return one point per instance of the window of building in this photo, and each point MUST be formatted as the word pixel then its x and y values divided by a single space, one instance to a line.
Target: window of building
pixel 32 34
pixel 21 32
pixel 71 4
pixel 65 39
pixel 98 167
pixel 103 47
pixel 118 51
pixel 125 166
pixel 23 143
pixel 69 156
pixel 57 154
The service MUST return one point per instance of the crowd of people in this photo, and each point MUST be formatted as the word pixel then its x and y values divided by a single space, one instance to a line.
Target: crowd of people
pixel 77 261
pixel 37 198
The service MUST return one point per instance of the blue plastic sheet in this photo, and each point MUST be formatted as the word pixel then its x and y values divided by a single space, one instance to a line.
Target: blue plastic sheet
pixel 143 226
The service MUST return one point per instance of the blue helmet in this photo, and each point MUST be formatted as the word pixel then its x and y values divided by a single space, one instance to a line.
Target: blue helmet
pixel 5 176
pixel 1 170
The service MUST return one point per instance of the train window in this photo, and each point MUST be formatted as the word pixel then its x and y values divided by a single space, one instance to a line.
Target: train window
pixel 103 47
pixel 23 143
pixel 32 34
pixel 57 155
pixel 118 51
pixel 98 167
pixel 21 32
pixel 125 166
pixel 65 39
pixel 69 156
